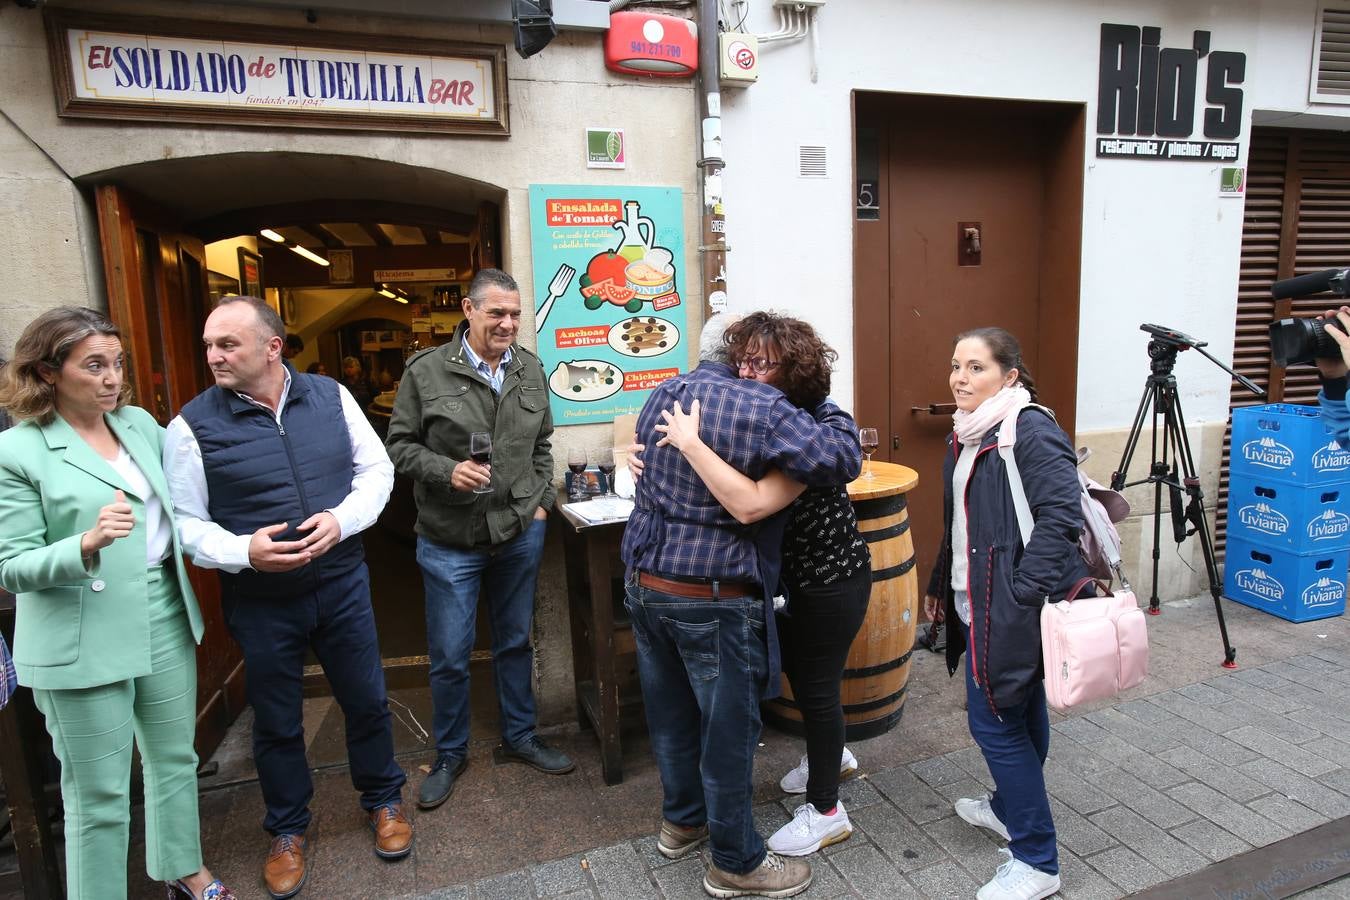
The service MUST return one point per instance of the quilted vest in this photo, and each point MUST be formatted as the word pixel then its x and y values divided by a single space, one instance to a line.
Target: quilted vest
pixel 260 473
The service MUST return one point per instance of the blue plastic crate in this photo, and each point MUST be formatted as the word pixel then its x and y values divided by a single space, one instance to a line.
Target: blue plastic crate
pixel 1303 518
pixel 1287 443
pixel 1293 586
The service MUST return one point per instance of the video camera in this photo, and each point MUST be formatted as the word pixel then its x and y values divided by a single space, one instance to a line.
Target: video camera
pixel 1305 340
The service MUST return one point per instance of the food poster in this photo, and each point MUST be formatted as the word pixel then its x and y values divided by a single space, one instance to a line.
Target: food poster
pixel 609 290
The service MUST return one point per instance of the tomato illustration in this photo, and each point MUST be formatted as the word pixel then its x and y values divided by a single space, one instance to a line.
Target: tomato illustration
pixel 606 265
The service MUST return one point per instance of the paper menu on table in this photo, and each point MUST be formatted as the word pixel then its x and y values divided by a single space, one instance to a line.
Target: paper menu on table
pixel 602 509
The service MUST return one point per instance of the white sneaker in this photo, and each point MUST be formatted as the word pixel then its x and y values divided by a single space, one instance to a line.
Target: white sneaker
pixel 794 782
pixel 810 830
pixel 977 811
pixel 1015 880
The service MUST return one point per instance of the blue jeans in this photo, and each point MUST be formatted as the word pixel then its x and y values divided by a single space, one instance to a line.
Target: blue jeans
pixel 452 578
pixel 1015 744
pixel 337 622
pixel 703 665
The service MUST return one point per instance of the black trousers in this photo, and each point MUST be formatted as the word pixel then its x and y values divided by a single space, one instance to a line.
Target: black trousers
pixel 338 623
pixel 816 630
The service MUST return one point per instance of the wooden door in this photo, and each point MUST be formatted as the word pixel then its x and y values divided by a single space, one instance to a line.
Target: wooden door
pixel 1012 172
pixel 157 295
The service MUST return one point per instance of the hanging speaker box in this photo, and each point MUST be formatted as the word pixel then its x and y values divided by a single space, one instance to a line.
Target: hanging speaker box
pixel 640 43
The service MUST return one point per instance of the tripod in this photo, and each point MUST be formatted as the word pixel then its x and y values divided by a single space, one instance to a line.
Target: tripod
pixel 1173 465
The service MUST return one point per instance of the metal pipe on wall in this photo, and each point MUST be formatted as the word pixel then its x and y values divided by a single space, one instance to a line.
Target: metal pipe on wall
pixel 712 242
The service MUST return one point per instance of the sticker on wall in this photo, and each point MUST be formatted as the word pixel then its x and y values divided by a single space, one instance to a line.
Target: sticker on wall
pixel 605 148
pixel 609 287
pixel 1232 181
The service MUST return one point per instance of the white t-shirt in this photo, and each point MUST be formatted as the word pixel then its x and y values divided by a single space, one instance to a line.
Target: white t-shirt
pixel 158 528
pixel 960 535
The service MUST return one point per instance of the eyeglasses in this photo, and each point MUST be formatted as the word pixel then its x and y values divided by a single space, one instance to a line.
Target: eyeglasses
pixel 760 365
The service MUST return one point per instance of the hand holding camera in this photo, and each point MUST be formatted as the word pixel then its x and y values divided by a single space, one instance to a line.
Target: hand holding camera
pixel 1336 324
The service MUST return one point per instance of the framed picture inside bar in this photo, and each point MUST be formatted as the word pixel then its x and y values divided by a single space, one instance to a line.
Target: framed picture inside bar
pixel 218 285
pixel 340 267
pixel 250 273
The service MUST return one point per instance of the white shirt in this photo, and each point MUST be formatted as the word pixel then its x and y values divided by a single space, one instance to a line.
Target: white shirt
pixel 960 535
pixel 158 528
pixel 211 546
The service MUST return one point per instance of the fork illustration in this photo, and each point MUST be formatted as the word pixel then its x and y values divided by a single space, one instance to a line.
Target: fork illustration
pixel 556 288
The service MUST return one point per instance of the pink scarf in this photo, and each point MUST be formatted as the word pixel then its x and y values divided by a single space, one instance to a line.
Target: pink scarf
pixel 971 427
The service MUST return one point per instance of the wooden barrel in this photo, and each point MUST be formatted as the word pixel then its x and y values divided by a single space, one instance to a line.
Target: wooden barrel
pixel 875 675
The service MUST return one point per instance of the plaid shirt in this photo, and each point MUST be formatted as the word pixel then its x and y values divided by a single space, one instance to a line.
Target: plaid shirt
pixel 677 527
pixel 9 680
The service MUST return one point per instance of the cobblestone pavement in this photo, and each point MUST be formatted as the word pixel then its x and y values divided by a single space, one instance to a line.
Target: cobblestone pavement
pixel 1142 791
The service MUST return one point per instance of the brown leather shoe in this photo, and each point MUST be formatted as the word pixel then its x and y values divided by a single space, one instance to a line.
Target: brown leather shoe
pixel 285 872
pixel 393 831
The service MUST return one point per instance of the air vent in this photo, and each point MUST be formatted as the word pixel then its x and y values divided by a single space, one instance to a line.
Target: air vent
pixel 811 161
pixel 1331 60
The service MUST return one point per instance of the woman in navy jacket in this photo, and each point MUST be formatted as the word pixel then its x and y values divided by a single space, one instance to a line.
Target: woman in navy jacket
pixel 993 588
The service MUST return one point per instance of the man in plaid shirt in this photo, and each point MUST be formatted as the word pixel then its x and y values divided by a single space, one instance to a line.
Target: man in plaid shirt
pixel 699 608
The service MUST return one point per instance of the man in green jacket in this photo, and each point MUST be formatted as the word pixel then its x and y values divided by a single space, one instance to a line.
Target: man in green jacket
pixel 478 523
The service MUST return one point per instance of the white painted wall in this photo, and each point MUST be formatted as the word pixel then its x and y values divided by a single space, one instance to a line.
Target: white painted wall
pixel 1159 244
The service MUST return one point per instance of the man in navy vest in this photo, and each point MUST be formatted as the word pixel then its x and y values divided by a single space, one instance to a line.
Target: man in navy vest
pixel 274 474
pixel 479 523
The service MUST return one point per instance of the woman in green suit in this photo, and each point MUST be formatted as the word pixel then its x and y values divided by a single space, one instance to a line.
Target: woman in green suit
pixel 106 620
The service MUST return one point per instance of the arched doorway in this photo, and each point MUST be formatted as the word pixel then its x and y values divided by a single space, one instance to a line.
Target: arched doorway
pixel 404 240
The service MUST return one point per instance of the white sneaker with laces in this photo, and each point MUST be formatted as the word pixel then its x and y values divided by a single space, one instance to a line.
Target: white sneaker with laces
pixel 1015 880
pixel 977 811
pixel 811 830
pixel 794 782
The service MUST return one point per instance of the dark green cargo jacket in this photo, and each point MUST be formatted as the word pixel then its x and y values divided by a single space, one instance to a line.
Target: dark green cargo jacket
pixel 441 401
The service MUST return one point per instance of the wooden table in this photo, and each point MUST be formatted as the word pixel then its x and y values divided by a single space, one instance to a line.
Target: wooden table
pixel 601 634
pixel 888 479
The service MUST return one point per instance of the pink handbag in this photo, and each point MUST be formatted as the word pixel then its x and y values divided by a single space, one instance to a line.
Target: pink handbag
pixel 1093 647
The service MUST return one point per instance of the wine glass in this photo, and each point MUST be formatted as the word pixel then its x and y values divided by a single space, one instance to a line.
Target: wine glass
pixel 480 451
pixel 576 463
pixel 868 438
pixel 604 461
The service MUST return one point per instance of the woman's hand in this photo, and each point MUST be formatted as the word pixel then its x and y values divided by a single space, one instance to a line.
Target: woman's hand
pixel 680 428
pixel 635 462
pixel 1338 321
pixel 930 606
pixel 114 521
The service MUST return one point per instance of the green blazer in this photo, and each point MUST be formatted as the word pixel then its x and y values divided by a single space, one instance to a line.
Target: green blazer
pixel 78 628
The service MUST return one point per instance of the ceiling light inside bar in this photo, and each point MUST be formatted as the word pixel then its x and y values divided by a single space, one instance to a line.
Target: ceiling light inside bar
pixel 309 255
pixel 272 235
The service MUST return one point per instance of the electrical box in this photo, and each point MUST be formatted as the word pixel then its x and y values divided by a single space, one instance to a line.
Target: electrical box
pixel 738 59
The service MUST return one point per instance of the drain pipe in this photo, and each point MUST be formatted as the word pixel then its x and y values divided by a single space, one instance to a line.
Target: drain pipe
pixel 712 248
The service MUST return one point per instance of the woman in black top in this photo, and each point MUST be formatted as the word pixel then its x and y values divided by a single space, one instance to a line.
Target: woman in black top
pixel 826 568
